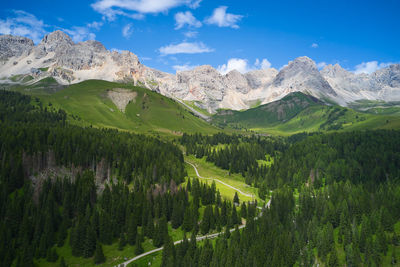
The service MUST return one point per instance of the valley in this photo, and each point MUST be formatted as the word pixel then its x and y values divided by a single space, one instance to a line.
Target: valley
pixel 106 161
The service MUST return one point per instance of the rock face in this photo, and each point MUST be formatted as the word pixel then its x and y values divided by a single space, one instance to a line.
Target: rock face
pixel 381 85
pixel 14 46
pixel 68 62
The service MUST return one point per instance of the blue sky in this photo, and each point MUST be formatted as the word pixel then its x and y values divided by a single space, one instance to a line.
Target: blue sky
pixel 172 35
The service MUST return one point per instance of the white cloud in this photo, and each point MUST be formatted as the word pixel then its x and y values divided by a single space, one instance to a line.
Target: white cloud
pixel 95 25
pixel 264 64
pixel 79 34
pixel 314 45
pixel 184 67
pixel 111 8
pixel 242 65
pixel 321 65
pixel 223 19
pixel 185 48
pixel 23 24
pixel 145 58
pixel 370 67
pixel 191 34
pixel 182 18
pixel 127 30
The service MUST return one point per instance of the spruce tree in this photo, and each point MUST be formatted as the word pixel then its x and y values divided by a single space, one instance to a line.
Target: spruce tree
pixel 187 224
pixel 236 199
pixel 122 242
pixel 98 254
pixel 132 230
pixel 138 247
pixel 176 215
pixel 243 210
pixel 168 254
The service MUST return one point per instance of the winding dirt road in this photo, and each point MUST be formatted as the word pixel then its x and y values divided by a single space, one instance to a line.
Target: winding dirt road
pixel 199 238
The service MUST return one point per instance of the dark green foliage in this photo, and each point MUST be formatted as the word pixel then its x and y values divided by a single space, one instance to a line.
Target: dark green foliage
pixel 34 217
pixel 369 157
pixel 98 254
pixel 52 255
pixel 138 247
pixel 62 263
pixel 300 230
pixel 168 254
pixel 236 198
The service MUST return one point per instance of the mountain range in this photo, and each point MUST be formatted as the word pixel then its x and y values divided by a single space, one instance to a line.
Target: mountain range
pixel 57 56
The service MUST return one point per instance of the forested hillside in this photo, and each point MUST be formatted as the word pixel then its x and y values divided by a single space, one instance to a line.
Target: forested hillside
pixel 335 200
pixel 64 186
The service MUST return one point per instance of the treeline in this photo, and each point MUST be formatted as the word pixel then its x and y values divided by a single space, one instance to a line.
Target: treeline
pixel 287 235
pixel 239 153
pixel 369 157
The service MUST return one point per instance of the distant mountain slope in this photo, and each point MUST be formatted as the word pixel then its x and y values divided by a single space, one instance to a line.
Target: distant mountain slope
pixel 298 112
pixel 99 103
pixel 268 114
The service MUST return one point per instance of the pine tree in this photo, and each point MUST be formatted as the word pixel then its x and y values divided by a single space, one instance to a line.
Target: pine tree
pixel 168 254
pixel 138 248
pixel 176 215
pixel 132 230
pixel 206 221
pixel 243 210
pixel 122 242
pixel 149 230
pixel 98 254
pixel 187 224
pixel 236 199
pixel 89 242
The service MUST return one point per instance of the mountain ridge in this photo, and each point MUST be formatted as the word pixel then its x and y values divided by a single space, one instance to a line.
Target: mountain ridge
pixel 59 57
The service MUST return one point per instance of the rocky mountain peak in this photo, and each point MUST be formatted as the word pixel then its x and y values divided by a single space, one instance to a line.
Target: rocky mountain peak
pixel 304 63
pixel 389 75
pixel 94 45
pixel 56 41
pixel 57 37
pixel 234 79
pixel 302 75
pixel 14 46
pixel 334 71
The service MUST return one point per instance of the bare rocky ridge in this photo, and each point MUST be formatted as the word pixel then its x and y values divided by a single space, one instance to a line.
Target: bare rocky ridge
pixel 68 62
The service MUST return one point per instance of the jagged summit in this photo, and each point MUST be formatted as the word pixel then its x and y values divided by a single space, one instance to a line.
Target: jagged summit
pixel 68 62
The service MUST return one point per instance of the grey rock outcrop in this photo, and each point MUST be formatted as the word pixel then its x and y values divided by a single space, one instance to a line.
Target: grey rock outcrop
pixel 302 75
pixel 14 46
pixel 56 42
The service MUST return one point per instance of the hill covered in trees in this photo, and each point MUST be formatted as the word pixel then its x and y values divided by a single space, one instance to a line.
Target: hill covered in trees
pixel 335 200
pixel 92 187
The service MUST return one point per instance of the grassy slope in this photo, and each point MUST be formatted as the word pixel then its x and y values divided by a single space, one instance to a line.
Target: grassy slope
pixel 310 118
pixel 269 114
pixel 150 112
pixel 209 170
